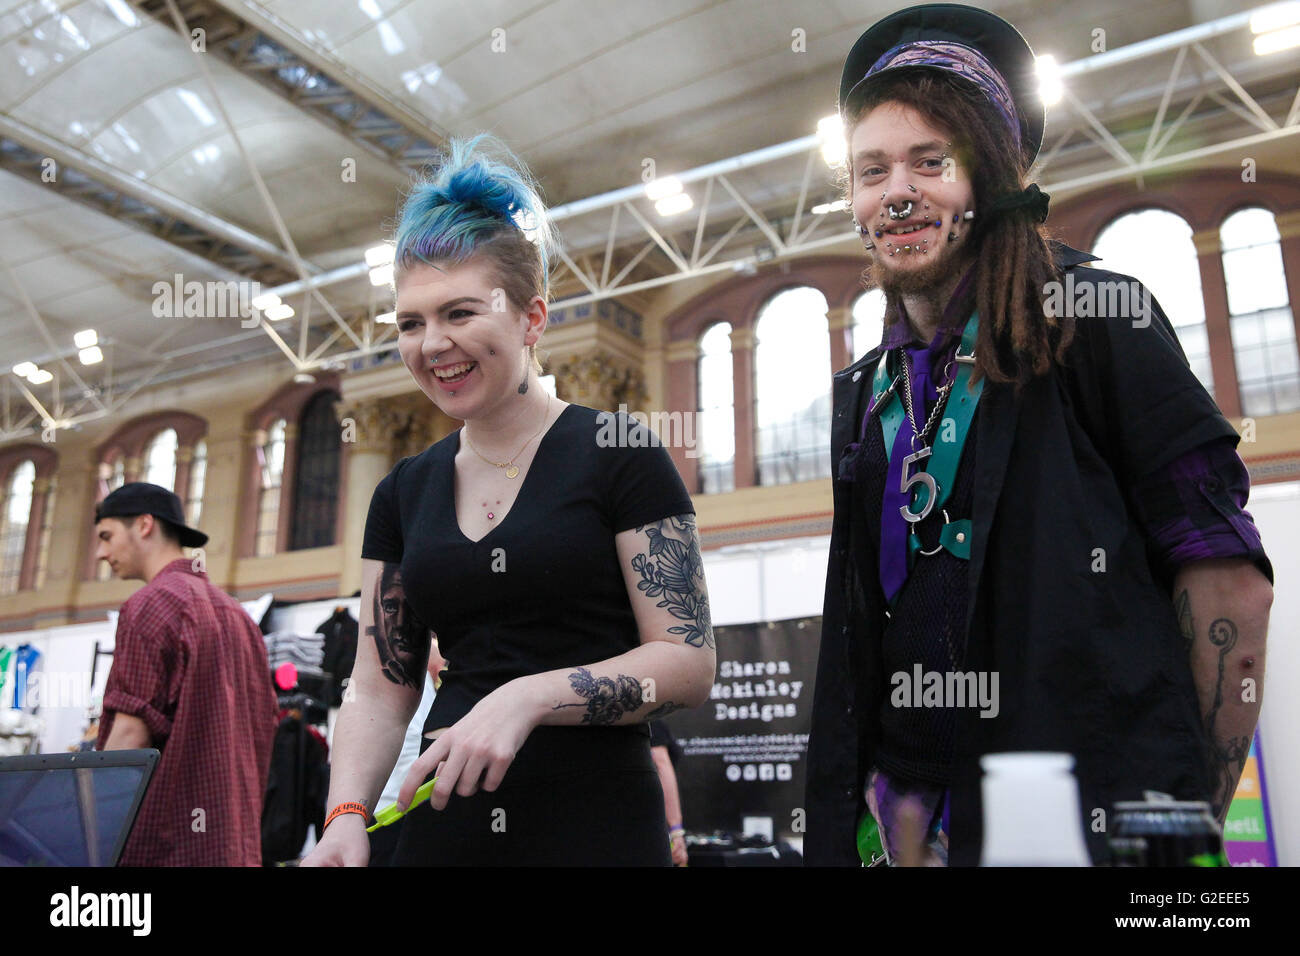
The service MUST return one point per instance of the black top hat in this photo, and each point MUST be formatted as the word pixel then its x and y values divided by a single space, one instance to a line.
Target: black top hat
pixel 999 42
pixel 142 498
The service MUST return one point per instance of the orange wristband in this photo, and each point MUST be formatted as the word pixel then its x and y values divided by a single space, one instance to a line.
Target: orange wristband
pixel 343 808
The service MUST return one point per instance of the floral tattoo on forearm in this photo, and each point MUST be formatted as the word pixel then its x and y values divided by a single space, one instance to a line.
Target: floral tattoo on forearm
pixel 608 698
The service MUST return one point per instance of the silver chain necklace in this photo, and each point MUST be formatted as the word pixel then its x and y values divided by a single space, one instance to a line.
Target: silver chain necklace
pixel 938 406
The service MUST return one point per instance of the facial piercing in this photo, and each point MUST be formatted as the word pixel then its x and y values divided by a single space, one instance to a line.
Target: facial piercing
pixel 901 214
pixel 879 233
pixel 954 217
pixel 969 214
pixel 911 187
pixel 952 237
pixel 492 351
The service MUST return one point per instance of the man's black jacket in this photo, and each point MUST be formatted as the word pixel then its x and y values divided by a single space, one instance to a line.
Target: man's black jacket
pixel 1089 662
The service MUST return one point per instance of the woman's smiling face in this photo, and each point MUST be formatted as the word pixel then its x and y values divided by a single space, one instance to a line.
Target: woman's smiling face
pixel 458 314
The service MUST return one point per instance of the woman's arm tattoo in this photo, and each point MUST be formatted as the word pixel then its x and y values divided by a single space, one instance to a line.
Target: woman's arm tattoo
pixel 671 568
pixel 608 698
pixel 401 638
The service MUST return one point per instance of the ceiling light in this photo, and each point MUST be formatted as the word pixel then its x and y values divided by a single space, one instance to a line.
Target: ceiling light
pixel 380 255
pixel 25 369
pixel 85 339
pixel 39 377
pixel 1267 43
pixel 663 187
pixel 268 301
pixel 304 378
pixel 838 205
pixel 831 133
pixel 386 318
pixel 383 275
pixel 1050 89
pixel 672 205
pixel 1275 17
pixel 278 313
pixel 91 356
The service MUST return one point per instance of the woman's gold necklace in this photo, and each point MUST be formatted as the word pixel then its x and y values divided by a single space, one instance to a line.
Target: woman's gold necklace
pixel 512 470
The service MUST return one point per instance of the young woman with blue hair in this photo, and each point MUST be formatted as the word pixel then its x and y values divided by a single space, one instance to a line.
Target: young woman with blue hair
pixel 562 576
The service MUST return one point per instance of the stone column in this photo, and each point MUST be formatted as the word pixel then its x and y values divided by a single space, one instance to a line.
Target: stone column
pixel 369 459
pixel 1214 292
pixel 599 379
pixel 32 544
pixel 839 321
pixel 742 384
pixel 1288 227
pixel 682 394
pixel 288 477
pixel 184 465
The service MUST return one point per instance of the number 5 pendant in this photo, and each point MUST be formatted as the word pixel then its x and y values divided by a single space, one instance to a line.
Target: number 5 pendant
pixel 922 478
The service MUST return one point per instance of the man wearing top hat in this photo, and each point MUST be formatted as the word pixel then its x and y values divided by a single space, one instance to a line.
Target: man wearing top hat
pixel 191 679
pixel 1044 508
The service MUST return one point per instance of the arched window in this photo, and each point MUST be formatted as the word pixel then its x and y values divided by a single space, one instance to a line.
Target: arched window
pixel 717 432
pixel 198 477
pixel 13 524
pixel 160 459
pixel 271 463
pixel 112 475
pixel 868 322
pixel 1263 330
pixel 1155 247
pixel 47 528
pixel 792 395
pixel 316 479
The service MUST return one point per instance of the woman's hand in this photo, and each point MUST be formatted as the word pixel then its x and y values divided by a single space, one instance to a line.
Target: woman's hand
pixel 344 843
pixel 476 751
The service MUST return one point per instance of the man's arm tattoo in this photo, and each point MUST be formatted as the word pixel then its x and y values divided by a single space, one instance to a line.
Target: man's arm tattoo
pixel 672 569
pixel 1227 760
pixel 608 698
pixel 1183 608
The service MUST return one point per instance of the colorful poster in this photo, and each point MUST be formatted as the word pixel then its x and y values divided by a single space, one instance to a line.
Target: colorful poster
pixel 1246 836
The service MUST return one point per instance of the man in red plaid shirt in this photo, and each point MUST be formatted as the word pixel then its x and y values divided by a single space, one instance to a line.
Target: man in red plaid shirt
pixel 190 678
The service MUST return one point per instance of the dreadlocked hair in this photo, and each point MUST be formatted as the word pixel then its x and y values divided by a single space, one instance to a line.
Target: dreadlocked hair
pixel 1018 337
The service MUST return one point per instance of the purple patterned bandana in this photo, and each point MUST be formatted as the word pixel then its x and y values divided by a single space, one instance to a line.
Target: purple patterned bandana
pixel 960 59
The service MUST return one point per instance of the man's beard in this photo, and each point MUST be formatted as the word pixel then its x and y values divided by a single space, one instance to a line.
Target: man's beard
pixel 929 278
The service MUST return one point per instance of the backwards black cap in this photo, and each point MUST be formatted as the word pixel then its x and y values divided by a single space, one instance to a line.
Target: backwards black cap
pixel 143 498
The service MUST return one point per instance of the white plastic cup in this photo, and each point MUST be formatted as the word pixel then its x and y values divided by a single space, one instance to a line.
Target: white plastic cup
pixel 1031 811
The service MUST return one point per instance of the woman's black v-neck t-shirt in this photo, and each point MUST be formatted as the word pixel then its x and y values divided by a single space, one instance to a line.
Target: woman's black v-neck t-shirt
pixel 544 588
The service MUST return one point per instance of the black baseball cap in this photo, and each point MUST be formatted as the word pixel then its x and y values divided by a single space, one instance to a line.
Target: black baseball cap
pixel 991 36
pixel 143 498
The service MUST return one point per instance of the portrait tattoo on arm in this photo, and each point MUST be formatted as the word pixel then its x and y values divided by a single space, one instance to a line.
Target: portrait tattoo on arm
pixel 671 568
pixel 401 638
pixel 608 698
